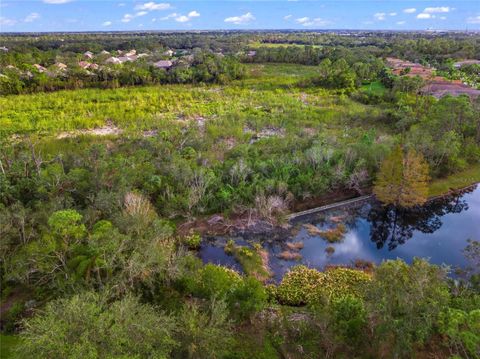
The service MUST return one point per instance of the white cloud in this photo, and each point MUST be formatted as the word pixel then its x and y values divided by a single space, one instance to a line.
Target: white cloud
pixel 440 9
pixel 169 16
pixel 242 19
pixel 306 21
pixel 182 18
pixel 121 4
pixel 424 16
pixel 32 17
pixel 379 15
pixel 150 6
pixel 410 10
pixel 7 22
pixel 392 14
pixel 401 22
pixel 287 17
pixel 127 18
pixel 56 2
pixel 443 18
pixel 474 19
pixel 107 23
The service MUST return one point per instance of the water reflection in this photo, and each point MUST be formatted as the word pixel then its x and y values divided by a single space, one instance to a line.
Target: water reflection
pixel 394 226
pixel 437 231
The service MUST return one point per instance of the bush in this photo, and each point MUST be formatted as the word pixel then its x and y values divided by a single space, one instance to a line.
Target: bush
pixel 192 241
pixel 303 285
pixel 350 319
pixel 86 326
pixel 463 331
pixel 248 298
pixel 298 285
pixel 215 281
pixel 405 302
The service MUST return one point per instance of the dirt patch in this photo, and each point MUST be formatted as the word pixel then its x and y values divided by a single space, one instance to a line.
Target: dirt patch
pixel 107 130
pixel 267 132
pixel 441 87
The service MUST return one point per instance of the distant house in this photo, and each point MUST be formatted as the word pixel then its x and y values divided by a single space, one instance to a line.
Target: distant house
pixel 130 58
pixel 40 68
pixel 251 53
pixel 168 53
pixel 104 52
pixel 139 56
pixel 84 65
pixel 131 53
pixel 3 48
pixel 93 67
pixel 113 60
pixel 60 66
pixel 88 55
pixel 163 64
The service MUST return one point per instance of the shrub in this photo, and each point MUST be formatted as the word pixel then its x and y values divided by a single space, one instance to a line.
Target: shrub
pixel 86 326
pixel 343 281
pixel 215 281
pixel 204 332
pixel 298 285
pixel 192 241
pixel 303 285
pixel 405 302
pixel 350 318
pixel 463 331
pixel 248 298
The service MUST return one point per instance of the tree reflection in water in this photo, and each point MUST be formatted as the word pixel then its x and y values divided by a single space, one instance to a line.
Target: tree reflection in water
pixel 394 226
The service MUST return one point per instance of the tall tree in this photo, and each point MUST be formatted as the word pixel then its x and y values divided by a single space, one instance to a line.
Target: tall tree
pixel 403 179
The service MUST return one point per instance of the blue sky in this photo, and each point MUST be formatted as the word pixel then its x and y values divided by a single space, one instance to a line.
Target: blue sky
pixel 109 15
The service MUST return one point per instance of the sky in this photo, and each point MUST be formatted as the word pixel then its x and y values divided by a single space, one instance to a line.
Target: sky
pixel 125 15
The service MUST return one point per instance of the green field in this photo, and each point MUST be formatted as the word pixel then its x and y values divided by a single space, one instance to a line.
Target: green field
pixel 458 180
pixel 375 88
pixel 7 345
pixel 270 97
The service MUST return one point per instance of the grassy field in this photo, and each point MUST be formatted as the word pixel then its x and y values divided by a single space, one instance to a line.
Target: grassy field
pixel 7 345
pixel 455 181
pixel 375 88
pixel 269 97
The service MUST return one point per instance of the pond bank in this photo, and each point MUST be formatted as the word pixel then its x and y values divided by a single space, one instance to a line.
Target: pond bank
pixel 246 222
pixel 368 233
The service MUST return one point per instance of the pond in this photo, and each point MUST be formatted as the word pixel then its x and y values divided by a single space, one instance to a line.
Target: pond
pixel 438 231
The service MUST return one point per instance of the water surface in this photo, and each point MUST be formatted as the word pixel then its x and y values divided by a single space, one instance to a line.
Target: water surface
pixel 437 231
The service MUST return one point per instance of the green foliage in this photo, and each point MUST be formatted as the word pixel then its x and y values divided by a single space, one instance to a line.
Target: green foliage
pixel 214 281
pixel 251 260
pixel 463 331
pixel 192 241
pixel 406 302
pixel 248 298
pixel 8 344
pixel 204 332
pixel 86 326
pixel 350 319
pixel 302 285
pixel 403 179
